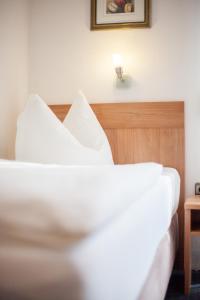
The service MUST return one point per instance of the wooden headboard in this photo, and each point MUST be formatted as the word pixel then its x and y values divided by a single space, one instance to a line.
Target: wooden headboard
pixel 142 132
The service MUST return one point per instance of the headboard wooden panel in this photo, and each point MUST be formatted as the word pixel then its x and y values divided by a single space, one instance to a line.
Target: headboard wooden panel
pixel 141 132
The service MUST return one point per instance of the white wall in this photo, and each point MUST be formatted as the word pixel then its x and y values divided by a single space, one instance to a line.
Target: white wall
pixel 193 113
pixel 66 55
pixel 13 69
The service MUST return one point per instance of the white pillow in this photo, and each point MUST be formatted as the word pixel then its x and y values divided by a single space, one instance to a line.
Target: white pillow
pixel 42 138
pixel 83 124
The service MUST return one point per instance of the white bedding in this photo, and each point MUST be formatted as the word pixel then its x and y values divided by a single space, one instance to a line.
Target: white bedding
pixel 114 264
pixel 110 264
pixel 45 203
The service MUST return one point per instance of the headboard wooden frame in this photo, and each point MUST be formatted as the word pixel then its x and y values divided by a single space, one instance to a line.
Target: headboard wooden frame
pixel 142 132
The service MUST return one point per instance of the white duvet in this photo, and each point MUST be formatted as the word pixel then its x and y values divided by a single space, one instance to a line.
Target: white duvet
pixel 117 214
pixel 54 204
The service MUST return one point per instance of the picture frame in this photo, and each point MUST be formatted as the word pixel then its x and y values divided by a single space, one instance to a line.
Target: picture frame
pixel 116 14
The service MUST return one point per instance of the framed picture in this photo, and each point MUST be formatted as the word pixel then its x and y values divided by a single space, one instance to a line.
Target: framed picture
pixel 111 14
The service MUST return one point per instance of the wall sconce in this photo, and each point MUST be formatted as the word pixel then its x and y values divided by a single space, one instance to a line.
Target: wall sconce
pixel 118 64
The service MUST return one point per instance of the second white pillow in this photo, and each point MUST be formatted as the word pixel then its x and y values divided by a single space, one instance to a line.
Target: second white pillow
pixel 84 126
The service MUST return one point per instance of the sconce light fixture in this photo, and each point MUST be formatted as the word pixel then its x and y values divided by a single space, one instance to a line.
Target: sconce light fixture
pixel 118 65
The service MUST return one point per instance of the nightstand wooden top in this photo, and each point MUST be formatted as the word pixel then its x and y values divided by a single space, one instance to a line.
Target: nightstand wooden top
pixel 193 202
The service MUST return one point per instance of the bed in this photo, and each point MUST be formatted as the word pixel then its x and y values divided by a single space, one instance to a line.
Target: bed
pixel 126 258
pixel 142 132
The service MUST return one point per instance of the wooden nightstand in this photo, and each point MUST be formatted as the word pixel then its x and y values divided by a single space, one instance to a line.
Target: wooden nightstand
pixel 191 229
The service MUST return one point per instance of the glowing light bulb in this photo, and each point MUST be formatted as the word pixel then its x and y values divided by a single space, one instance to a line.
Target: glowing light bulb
pixel 118 64
pixel 117 60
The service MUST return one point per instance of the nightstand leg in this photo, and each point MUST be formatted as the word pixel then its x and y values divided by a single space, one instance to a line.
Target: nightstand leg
pixel 187 251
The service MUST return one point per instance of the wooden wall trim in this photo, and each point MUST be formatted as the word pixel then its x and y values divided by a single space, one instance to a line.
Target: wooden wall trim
pixel 134 115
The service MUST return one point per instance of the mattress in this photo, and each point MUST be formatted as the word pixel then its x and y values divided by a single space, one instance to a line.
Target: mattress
pixel 113 263
pixel 159 275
